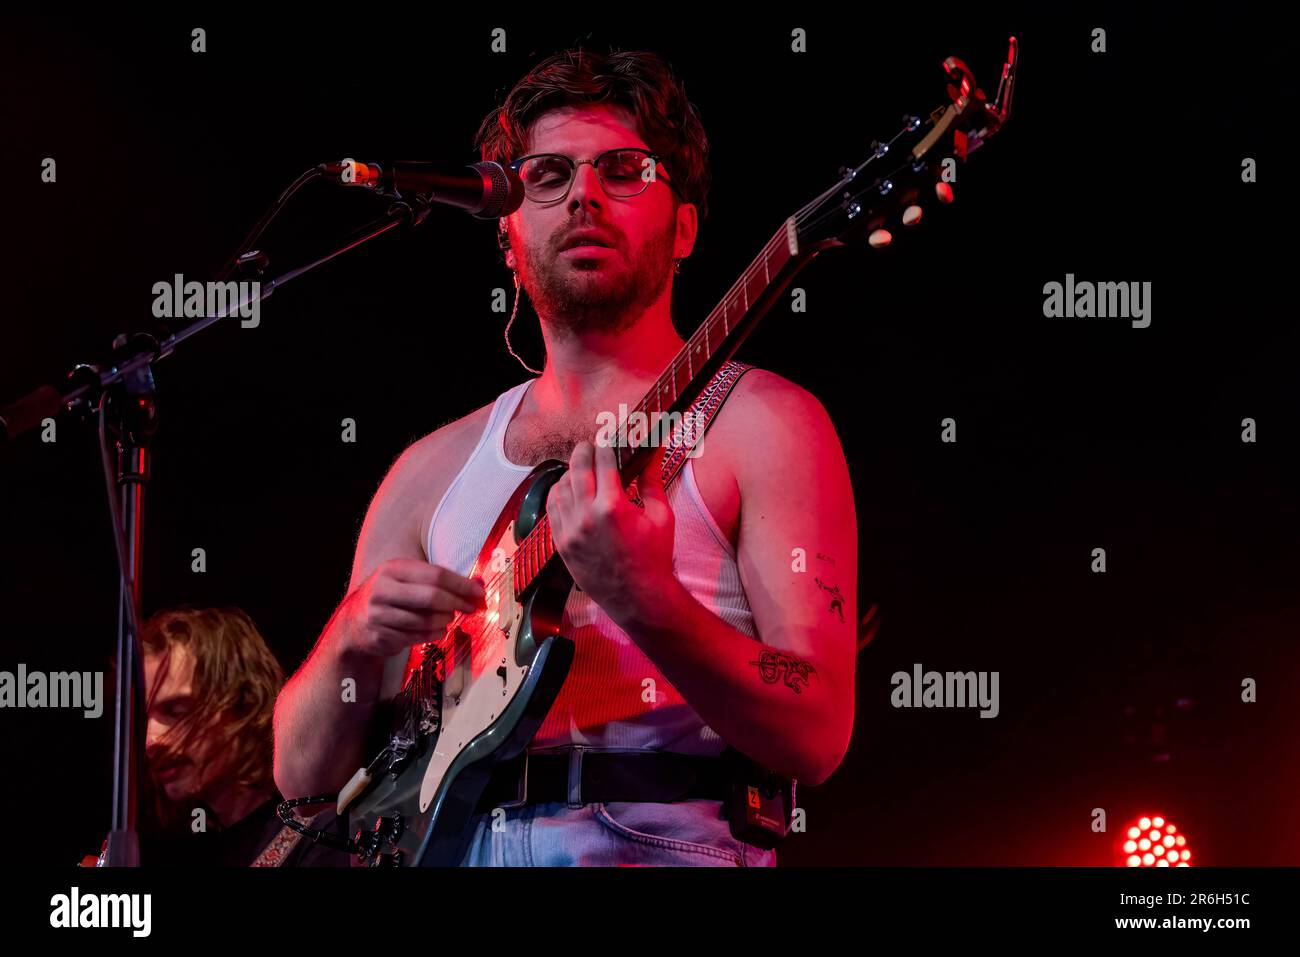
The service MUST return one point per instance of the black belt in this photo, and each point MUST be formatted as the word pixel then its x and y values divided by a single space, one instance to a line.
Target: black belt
pixel 580 775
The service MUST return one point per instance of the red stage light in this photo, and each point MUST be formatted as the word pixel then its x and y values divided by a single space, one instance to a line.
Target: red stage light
pixel 1152 841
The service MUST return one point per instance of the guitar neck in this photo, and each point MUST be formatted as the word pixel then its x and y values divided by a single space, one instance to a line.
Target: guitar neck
pixel 713 343
pixel 716 340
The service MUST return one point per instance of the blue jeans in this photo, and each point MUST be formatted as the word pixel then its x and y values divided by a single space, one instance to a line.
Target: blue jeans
pixel 691 833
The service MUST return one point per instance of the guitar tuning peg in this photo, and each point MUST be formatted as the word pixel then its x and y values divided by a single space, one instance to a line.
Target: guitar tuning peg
pixel 880 239
pixel 912 215
pixel 943 191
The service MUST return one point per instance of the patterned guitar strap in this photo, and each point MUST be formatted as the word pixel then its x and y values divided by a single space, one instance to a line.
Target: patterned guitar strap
pixel 286 840
pixel 695 422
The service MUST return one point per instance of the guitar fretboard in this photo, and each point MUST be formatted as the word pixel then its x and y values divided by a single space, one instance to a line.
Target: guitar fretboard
pixel 712 344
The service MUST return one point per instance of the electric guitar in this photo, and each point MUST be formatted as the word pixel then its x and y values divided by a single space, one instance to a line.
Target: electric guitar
pixel 476 696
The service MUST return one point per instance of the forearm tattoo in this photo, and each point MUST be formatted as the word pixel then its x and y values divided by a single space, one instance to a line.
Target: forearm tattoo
pixel 775 665
pixel 836 597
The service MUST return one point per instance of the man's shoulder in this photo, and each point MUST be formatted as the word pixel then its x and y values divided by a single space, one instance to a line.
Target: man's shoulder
pixel 450 443
pixel 763 406
pixel 769 385
pixel 427 465
pixel 451 435
pixel 425 468
pixel 768 428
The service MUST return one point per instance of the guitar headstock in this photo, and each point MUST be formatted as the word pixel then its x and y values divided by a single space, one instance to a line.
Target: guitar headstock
pixel 891 186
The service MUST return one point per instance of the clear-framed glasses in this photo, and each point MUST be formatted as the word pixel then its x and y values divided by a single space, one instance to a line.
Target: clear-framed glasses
pixel 623 173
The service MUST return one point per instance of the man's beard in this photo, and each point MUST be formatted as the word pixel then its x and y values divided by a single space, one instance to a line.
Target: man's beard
pixel 574 300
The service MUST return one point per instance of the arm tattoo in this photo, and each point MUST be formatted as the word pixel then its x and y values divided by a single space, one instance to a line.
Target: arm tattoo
pixel 772 664
pixel 837 598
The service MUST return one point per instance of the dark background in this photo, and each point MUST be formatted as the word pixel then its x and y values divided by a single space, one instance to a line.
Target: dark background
pixel 1119 691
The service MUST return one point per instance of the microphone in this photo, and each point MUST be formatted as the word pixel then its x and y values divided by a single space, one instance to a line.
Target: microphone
pixel 487 190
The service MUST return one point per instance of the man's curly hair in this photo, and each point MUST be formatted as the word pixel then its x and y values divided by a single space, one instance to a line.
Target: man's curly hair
pixel 644 83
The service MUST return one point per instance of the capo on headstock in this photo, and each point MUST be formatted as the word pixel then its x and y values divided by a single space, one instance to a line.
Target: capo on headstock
pixel 963 90
pixel 862 207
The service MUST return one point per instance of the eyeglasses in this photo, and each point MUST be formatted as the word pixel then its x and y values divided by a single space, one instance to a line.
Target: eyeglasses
pixel 548 177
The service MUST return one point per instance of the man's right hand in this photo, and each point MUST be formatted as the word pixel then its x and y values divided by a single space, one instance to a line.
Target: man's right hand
pixel 405 602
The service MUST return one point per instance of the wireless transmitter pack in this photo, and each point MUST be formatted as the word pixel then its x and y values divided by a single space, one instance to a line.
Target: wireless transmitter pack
pixel 760 803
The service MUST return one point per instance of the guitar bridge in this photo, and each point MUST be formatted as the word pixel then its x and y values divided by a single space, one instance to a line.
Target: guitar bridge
pixel 421 711
pixel 429 696
pixel 430 719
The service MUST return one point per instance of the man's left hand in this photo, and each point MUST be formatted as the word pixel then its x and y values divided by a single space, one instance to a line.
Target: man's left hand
pixel 618 551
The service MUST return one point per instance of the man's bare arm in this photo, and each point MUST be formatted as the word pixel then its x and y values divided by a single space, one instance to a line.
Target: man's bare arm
pixel 786 699
pixel 395 599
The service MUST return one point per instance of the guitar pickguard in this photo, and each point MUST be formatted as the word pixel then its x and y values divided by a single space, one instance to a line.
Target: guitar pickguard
pixel 481 674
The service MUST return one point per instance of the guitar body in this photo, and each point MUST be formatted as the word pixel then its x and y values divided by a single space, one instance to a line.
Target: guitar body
pixel 469 702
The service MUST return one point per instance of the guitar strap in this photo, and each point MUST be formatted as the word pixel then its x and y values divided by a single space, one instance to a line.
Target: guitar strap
pixel 698 417
pixel 695 421
pixel 286 840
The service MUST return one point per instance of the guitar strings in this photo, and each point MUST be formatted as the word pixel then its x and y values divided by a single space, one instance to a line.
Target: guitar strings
pixel 535 538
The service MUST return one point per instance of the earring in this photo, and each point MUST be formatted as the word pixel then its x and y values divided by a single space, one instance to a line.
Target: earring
pixel 509 347
pixel 677 265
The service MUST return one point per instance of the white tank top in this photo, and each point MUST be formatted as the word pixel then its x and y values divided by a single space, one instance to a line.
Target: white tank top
pixel 606 701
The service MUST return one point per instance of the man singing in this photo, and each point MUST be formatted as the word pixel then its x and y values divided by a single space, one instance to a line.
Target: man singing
pixel 719 612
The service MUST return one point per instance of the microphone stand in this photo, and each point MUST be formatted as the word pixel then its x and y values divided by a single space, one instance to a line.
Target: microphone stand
pixel 124 395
